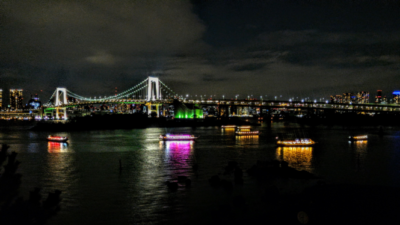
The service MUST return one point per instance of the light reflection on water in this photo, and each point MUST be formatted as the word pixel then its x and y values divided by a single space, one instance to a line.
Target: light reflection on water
pixel 299 158
pixel 360 153
pixel 96 191
pixel 247 140
pixel 57 147
pixel 178 155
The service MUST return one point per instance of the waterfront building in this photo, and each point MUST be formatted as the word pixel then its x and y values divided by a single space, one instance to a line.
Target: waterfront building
pixel 378 97
pixel 336 99
pixel 34 103
pixel 396 96
pixel 16 98
pixel 362 97
pixel 348 97
pixel 359 98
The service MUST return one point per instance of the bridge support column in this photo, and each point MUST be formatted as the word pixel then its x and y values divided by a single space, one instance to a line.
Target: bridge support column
pixel 64 111
pixel 61 96
pixel 153 108
pixel 150 91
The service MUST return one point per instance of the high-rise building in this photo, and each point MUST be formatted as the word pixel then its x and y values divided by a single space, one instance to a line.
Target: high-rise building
pixel 378 97
pixel 396 96
pixel 1 98
pixel 16 98
pixel 362 97
pixel 348 97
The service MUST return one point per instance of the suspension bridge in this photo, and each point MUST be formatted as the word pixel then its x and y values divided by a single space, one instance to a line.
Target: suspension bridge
pixel 153 96
pixel 151 89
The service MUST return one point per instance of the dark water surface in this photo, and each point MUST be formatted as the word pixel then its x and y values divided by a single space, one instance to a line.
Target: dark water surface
pixel 96 191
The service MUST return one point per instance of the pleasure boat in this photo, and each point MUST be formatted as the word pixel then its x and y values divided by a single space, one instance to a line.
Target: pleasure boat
pixel 246 131
pixel 177 137
pixel 296 142
pixel 57 138
pixel 358 137
pixel 228 126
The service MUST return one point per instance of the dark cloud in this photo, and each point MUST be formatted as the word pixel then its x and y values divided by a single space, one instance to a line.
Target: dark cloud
pixel 270 47
pixel 213 78
pixel 250 67
pixel 94 41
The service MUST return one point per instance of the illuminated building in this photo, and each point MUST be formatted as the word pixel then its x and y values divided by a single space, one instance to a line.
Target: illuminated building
pixel 336 99
pixel 348 97
pixel 396 96
pixel 1 98
pixel 378 97
pixel 182 111
pixel 16 98
pixel 360 98
pixel 363 97
pixel 34 103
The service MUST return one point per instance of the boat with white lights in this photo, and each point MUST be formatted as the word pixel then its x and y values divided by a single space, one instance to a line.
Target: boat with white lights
pixel 228 126
pixel 358 137
pixel 246 131
pixel 177 137
pixel 296 142
pixel 57 138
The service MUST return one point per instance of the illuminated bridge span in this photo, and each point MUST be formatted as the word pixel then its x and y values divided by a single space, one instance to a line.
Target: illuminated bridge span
pixel 149 94
pixel 152 89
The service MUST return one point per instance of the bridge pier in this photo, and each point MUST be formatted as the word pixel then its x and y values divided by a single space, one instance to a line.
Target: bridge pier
pixel 153 107
pixel 223 111
pixel 64 111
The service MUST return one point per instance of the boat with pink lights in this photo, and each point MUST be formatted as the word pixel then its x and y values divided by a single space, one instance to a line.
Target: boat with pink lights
pixel 57 138
pixel 177 137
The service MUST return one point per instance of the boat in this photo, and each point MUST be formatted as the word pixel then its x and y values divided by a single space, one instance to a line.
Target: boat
pixel 358 137
pixel 296 142
pixel 177 137
pixel 228 126
pixel 57 138
pixel 246 131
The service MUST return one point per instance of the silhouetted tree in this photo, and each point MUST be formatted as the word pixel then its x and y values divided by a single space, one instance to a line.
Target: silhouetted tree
pixel 13 208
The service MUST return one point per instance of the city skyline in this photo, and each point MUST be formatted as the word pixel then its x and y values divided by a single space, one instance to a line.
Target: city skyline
pixel 291 48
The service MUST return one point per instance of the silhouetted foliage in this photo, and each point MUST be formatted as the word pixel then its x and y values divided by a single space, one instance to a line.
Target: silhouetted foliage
pixel 13 208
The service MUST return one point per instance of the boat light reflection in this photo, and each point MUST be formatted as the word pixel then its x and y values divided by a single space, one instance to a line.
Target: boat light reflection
pixel 299 158
pixel 57 147
pixel 178 154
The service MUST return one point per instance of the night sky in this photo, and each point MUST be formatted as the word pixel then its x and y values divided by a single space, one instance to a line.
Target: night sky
pixel 305 48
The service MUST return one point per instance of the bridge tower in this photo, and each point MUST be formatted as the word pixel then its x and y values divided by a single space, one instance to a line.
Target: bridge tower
pixel 61 99
pixel 61 96
pixel 150 90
